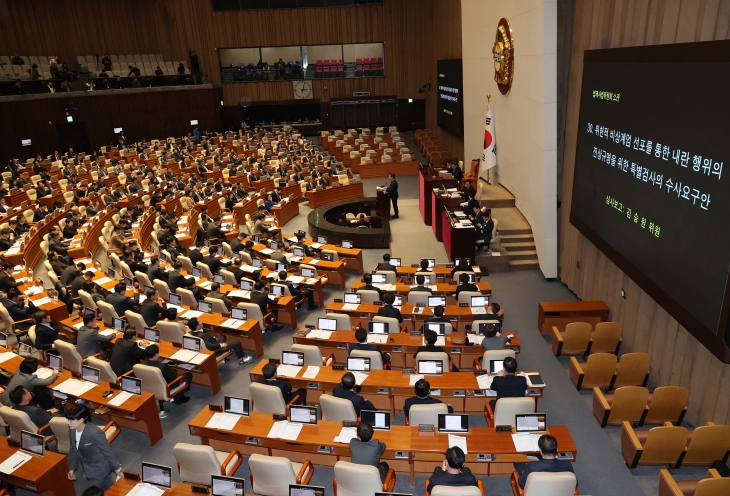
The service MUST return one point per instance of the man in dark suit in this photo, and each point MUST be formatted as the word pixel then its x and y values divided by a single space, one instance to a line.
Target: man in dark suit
pixel 469 189
pixel 177 280
pixel 71 273
pixel 388 310
pixel 46 331
pixel 154 271
pixel 392 190
pixel 20 399
pixel 17 309
pixel 236 269
pixel 213 262
pixel 423 397
pixel 430 337
pixel 297 293
pixel 465 285
pixel 151 310
pixel 124 353
pixel 361 334
pixel 420 281
pixel 170 374
pixel 324 180
pixel 215 232
pixel 507 384
pixel 237 244
pixel 135 261
pixel 368 280
pixel 215 293
pixel 40 212
pixel 195 254
pixel 548 463
pixel 301 244
pixel 385 264
pixel 261 298
pixel 452 472
pixel 344 390
pixel 120 301
pixel 269 379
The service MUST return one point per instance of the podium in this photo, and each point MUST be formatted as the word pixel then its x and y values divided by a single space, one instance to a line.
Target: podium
pixel 382 204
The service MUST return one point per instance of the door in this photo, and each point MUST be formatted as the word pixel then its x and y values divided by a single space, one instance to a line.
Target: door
pixel 72 134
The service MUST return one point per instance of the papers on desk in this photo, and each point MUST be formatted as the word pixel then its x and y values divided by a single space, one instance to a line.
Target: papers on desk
pixel 78 325
pixel 350 307
pixel 288 370
pixel 316 246
pixel 176 307
pixel 41 301
pixel 377 338
pixel 293 239
pixel 440 341
pixel 495 254
pixel 239 293
pixel 191 313
pixel 33 290
pixel 478 311
pixel 485 381
pixel 296 279
pixel 13 250
pixel 311 281
pixel 346 434
pixel 452 190
pixel 184 355
pixel 460 215
pixel 233 323
pixel 459 441
pixel 223 421
pixel 359 377
pixel 414 378
pixel 103 280
pixel 43 373
pixel 314 261
pixel 74 387
pixel 143 489
pixel 5 356
pixel 319 334
pixel 206 284
pixel 119 399
pixel 285 430
pixel 293 258
pixel 475 338
pixel 14 461
pixel 269 219
pixel 311 372
pixel 107 332
pixel 385 287
pixel 267 251
pixel 526 442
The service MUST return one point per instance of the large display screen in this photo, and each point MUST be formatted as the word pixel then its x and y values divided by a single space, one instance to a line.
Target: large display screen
pixel 450 96
pixel 652 185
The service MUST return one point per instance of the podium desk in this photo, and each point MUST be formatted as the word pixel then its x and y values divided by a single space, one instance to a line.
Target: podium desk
pixel 46 474
pixel 284 212
pixel 460 242
pixel 560 313
pixel 317 198
pixel 438 203
pixel 382 204
pixel 407 449
pixel 427 181
pixel 389 389
pixel 401 347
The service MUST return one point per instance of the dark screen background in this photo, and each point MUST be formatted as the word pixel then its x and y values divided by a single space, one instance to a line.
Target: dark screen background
pixel 450 115
pixel 684 106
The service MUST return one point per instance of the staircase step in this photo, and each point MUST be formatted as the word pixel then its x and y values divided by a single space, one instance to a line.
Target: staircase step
pixel 497 202
pixel 523 255
pixel 518 246
pixel 516 238
pixel 510 232
pixel 523 265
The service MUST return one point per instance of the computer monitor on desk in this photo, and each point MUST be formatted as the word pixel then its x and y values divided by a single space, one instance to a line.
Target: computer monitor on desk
pixel 152 335
pixel 239 313
pixel 346 244
pixel 158 475
pixel 495 366
pixel 227 486
pixel 205 307
pixel 430 367
pixel 32 443
pixel 453 423
pixel 377 420
pixel 191 343
pixel 326 324
pixel 118 324
pixel 379 279
pixel 322 240
pixel 237 406
pixel 462 261
pixel 56 363
pixel 431 262
pixel 377 327
pixel 303 414
pixel 175 299
pixel 90 374
pixel 298 252
pixel 438 328
pixel 358 364
pixel 219 278
pixel 306 272
pixel 479 301
pixel 131 385
pixel 246 285
pixel 352 298
pixel 301 490
pixel 531 422
pixel 292 358
pixel 395 262
pixel 435 301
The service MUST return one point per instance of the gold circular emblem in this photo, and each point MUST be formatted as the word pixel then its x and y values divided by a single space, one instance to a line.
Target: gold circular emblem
pixel 504 56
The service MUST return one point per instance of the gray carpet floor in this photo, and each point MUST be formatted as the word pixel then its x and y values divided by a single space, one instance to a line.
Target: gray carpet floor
pixel 599 466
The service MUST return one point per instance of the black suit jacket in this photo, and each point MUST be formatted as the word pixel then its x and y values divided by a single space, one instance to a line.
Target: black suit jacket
pixel 151 311
pixel 509 386
pixel 390 311
pixel 370 287
pixel 441 478
pixel 428 400
pixel 167 372
pixel 358 402
pixel 392 189
pixel 120 302
pixel 18 312
pixel 195 256
pixel 177 280
pixel 286 391
pixel 213 263
pixel 45 335
pixel 542 465
pixel 262 300
pixel 466 287
pixel 122 359
pixel 155 272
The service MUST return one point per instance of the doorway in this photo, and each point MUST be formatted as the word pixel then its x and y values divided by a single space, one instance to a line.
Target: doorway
pixel 72 134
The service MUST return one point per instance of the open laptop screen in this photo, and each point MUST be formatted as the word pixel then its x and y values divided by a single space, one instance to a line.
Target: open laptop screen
pixel 495 366
pixel 56 363
pixel 435 301
pixel 395 262
pixel 238 406
pixel 292 358
pixel 439 329
pixel 379 278
pixel 377 420
pixel 175 299
pixel 305 272
pixel 90 374
pixel 118 324
pixel 239 313
pixel 378 327
pixel 352 298
pixel 431 367
pixel 205 307
pixel 131 385
pixel 346 244
pixel 227 486
pixel 327 324
pixel 190 343
pixel 531 422
pixel 300 490
pixel 159 475
pixel 453 423
pixel 358 364
pixel 303 414
pixel 479 301
pixel 32 443
pixel 152 335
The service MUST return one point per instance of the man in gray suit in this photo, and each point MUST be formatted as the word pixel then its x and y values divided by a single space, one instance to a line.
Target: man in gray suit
pixel 366 451
pixel 90 447
pixel 88 337
pixel 25 377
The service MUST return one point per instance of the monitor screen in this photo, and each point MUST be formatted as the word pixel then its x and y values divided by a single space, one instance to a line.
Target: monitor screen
pixel 431 262
pixel 395 262
pixel 280 267
pixel 426 278
pixel 197 272
pixel 246 285
pixel 239 313
pixel 89 311
pixel 25 142
pixel 175 299
pixel 327 324
pixel 152 335
pixel 277 289
pixel 219 278
pixel 273 245
pixel 346 244
pixel 56 363
pixel 24 350
pixel 328 257
pixel 495 366
pixel 299 490
pixel 450 98
pixel 435 301
pixel 257 239
pixel 227 486
pixel 462 261
pixel 118 324
pixel 117 130
pixel 205 307
pixel 531 422
pixel 193 122
pixel 482 327
pixel 147 288
pixel 352 298
pixel 90 374
pixel 190 343
pixel 322 239
pixel 358 364
pixel 303 414
pixel 453 423
pixel 33 443
pixel 379 278
pixel 377 327
pixel 128 282
pixel 298 252
pixel 430 367
pixel 377 420
pixel 307 272
pixel 479 301
pixel 438 328
pixel 292 358
pixel 163 257
pixel 131 385
pixel 398 301
pixel 159 475
pixel 257 263
pixel 239 406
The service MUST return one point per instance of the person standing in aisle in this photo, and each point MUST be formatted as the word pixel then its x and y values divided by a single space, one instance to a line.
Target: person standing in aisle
pixel 392 190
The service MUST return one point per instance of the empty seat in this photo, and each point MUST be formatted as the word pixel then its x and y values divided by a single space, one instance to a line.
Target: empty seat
pixel 352 479
pixel 712 485
pixel 598 371
pixel 667 404
pixel 664 445
pixel 606 338
pixel 625 404
pixel 272 475
pixel 575 340
pixel 632 370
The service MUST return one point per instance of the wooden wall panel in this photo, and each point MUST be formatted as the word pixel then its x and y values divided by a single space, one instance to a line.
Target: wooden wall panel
pixel 677 358
pixel 415 33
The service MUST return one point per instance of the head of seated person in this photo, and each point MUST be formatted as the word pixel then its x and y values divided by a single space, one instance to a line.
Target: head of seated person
pixel 348 381
pixel 171 315
pixel 424 266
pixel 510 366
pixel 430 336
pixel 438 311
pixel 364 431
pixel 464 279
pixel 422 388
pixel 269 370
pixel 455 459
pixel 361 334
pixel 420 280
pixel 389 298
pixel 490 330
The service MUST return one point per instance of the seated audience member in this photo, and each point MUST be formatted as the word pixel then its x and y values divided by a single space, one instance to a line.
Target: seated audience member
pixel 297 293
pixel 124 353
pixel 219 344
pixel 495 312
pixel 46 331
pixel 361 334
pixel 88 338
pixel 269 372
pixel 344 390
pixel 343 222
pixel 120 301
pixel 365 450
pixel 452 472
pixel 18 309
pixel 420 281
pixel 462 266
pixel 170 374
pixel 548 462
pixel 385 264
pixel 21 398
pixel 424 266
pixel 438 316
pixel 430 337
pixel 423 397
pixel 215 293
pixel 493 340
pixel 151 311
pixel 506 384
pixel 25 376
pixel 368 280
pixel 388 310
pixel 465 285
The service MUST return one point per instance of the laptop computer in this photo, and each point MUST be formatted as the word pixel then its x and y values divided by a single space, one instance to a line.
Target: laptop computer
pixel 395 262
pixel 439 328
pixel 89 311
pixel 495 366
pixel 239 313
pixel 191 343
pixel 435 301
pixel 358 364
pixel 56 363
pixel 146 288
pixel 292 358
pixel 205 307
pixel 246 285
pixel 219 278
pixel 227 486
pixel 158 475
pixel 465 261
pixel 431 262
pixel 377 327
pixel 32 443
pixel 301 490
pixel 257 263
pixel 377 420
pixel 379 278
pixel 238 406
pixel 479 301
pixel 277 289
pixel 326 324
pixel 298 252
pixel 152 335
pixel 281 266
pixel 398 301
pixel 328 257
pixel 531 422
pixel 128 282
pixel 305 272
pixel 131 385
pixel 90 374
pixel 118 324
pixel 304 414
pixel 322 239
pixel 453 422
pixel 346 244
pixel 430 367
pixel 352 298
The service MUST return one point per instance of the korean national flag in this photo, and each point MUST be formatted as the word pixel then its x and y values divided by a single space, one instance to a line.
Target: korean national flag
pixel 489 153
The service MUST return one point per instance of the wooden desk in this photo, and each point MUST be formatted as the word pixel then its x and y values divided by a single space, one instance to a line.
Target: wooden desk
pixel 123 486
pixel 459 242
pixel 401 347
pixel 284 212
pixel 441 288
pixel 560 313
pixel 42 474
pixel 384 169
pixel 438 202
pixel 335 270
pixel 389 389
pixel 426 183
pixel 423 451
pixel 382 204
pixel 56 309
pixel 353 255
pixel 330 194
pixel 441 271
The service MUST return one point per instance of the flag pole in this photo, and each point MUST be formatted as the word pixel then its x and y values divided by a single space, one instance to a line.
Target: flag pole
pixel 489 172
